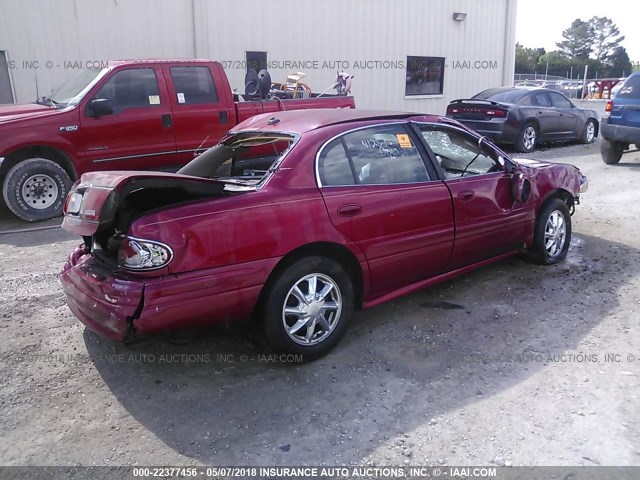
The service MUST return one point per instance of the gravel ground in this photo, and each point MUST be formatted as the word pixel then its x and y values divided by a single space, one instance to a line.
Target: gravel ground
pixel 504 366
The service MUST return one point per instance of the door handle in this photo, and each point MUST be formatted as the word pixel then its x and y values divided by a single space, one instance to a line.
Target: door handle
pixel 223 117
pixel 167 121
pixel 466 195
pixel 349 210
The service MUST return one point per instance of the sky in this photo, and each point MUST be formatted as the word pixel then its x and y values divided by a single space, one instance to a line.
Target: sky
pixel 540 22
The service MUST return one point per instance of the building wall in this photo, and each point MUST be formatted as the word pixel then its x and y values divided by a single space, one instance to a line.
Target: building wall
pixel 317 33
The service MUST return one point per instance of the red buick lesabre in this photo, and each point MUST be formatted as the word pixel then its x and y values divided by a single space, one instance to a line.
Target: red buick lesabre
pixel 297 218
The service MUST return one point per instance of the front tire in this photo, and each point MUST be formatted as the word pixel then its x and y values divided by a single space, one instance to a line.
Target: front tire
pixel 308 307
pixel 611 151
pixel 552 234
pixel 36 189
pixel 589 132
pixel 527 138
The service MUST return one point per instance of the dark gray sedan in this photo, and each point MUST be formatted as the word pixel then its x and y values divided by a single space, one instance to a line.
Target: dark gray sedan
pixel 525 117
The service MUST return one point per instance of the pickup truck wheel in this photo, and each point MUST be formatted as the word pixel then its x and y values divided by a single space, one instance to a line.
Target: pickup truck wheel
pixel 527 138
pixel 308 307
pixel 36 189
pixel 552 234
pixel 589 132
pixel 611 151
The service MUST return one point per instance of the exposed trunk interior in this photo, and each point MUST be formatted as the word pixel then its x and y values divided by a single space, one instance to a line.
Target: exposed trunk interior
pixel 139 197
pixel 239 164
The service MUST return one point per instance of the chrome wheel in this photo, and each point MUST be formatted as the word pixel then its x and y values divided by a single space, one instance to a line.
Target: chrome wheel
pixel 555 233
pixel 529 137
pixel 312 309
pixel 40 191
pixel 591 132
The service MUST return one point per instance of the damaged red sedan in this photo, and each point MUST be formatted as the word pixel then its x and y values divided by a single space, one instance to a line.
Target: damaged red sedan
pixel 297 218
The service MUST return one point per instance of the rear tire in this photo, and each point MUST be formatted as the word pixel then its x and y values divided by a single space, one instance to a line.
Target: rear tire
pixel 307 308
pixel 527 138
pixel 611 151
pixel 36 189
pixel 589 132
pixel 552 234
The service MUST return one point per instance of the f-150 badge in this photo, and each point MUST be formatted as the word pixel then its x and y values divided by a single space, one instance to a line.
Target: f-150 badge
pixel 69 128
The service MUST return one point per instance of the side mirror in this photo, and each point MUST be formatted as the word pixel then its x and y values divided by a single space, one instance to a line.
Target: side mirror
pixel 520 188
pixel 99 107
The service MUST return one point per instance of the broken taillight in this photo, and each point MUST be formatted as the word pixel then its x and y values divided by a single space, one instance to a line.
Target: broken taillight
pixel 142 255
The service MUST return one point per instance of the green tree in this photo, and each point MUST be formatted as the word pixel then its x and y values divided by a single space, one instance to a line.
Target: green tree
pixel 606 37
pixel 618 63
pixel 527 58
pixel 578 40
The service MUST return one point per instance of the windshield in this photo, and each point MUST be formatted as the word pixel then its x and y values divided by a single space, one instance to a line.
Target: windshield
pixel 74 88
pixel 242 159
pixel 501 95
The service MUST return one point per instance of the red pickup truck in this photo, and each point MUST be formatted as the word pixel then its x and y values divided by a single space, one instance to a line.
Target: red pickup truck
pixel 131 115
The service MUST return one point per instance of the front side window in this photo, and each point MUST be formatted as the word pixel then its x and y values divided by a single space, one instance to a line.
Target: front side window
pixel 458 153
pixel 132 88
pixel 425 76
pixel 193 85
pixel 379 155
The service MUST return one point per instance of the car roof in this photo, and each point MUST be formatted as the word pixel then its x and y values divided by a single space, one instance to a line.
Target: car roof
pixel 301 121
pixel 497 90
pixel 157 61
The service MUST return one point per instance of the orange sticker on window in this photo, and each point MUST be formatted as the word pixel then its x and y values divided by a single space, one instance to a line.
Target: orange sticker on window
pixel 404 140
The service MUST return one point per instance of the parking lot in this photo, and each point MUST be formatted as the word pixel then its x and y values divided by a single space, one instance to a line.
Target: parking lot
pixel 514 364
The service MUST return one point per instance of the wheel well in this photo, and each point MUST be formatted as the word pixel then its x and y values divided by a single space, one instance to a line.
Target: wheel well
pixel 563 195
pixel 336 252
pixel 42 151
pixel 534 122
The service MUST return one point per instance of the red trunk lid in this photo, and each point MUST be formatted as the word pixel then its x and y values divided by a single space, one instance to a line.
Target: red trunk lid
pixel 93 201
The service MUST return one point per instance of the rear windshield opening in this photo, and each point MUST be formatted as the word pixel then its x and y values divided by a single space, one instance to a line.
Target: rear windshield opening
pixel 243 159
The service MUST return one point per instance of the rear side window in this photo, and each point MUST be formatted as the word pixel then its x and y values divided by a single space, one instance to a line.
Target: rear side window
pixel 132 88
pixel 193 85
pixel 631 88
pixel 540 99
pixel 381 155
pixel 559 101
pixel 334 166
pixel 385 155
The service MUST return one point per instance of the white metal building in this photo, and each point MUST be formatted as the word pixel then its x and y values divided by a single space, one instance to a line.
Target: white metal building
pixel 414 55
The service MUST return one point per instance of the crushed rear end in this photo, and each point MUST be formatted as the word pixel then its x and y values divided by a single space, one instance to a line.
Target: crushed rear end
pixel 101 207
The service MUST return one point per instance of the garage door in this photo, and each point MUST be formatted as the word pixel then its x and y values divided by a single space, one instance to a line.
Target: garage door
pixel 6 92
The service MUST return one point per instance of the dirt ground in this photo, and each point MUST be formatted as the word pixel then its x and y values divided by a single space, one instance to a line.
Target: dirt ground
pixel 513 364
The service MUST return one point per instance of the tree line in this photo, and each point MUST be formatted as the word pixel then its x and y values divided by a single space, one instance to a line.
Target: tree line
pixel 596 42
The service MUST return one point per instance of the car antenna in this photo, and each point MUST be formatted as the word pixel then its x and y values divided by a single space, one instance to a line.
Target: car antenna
pixel 195 152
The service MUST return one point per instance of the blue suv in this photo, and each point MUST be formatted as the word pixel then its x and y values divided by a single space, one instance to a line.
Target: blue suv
pixel 620 125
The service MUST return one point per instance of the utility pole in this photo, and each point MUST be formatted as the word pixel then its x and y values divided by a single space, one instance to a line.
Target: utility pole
pixel 546 72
